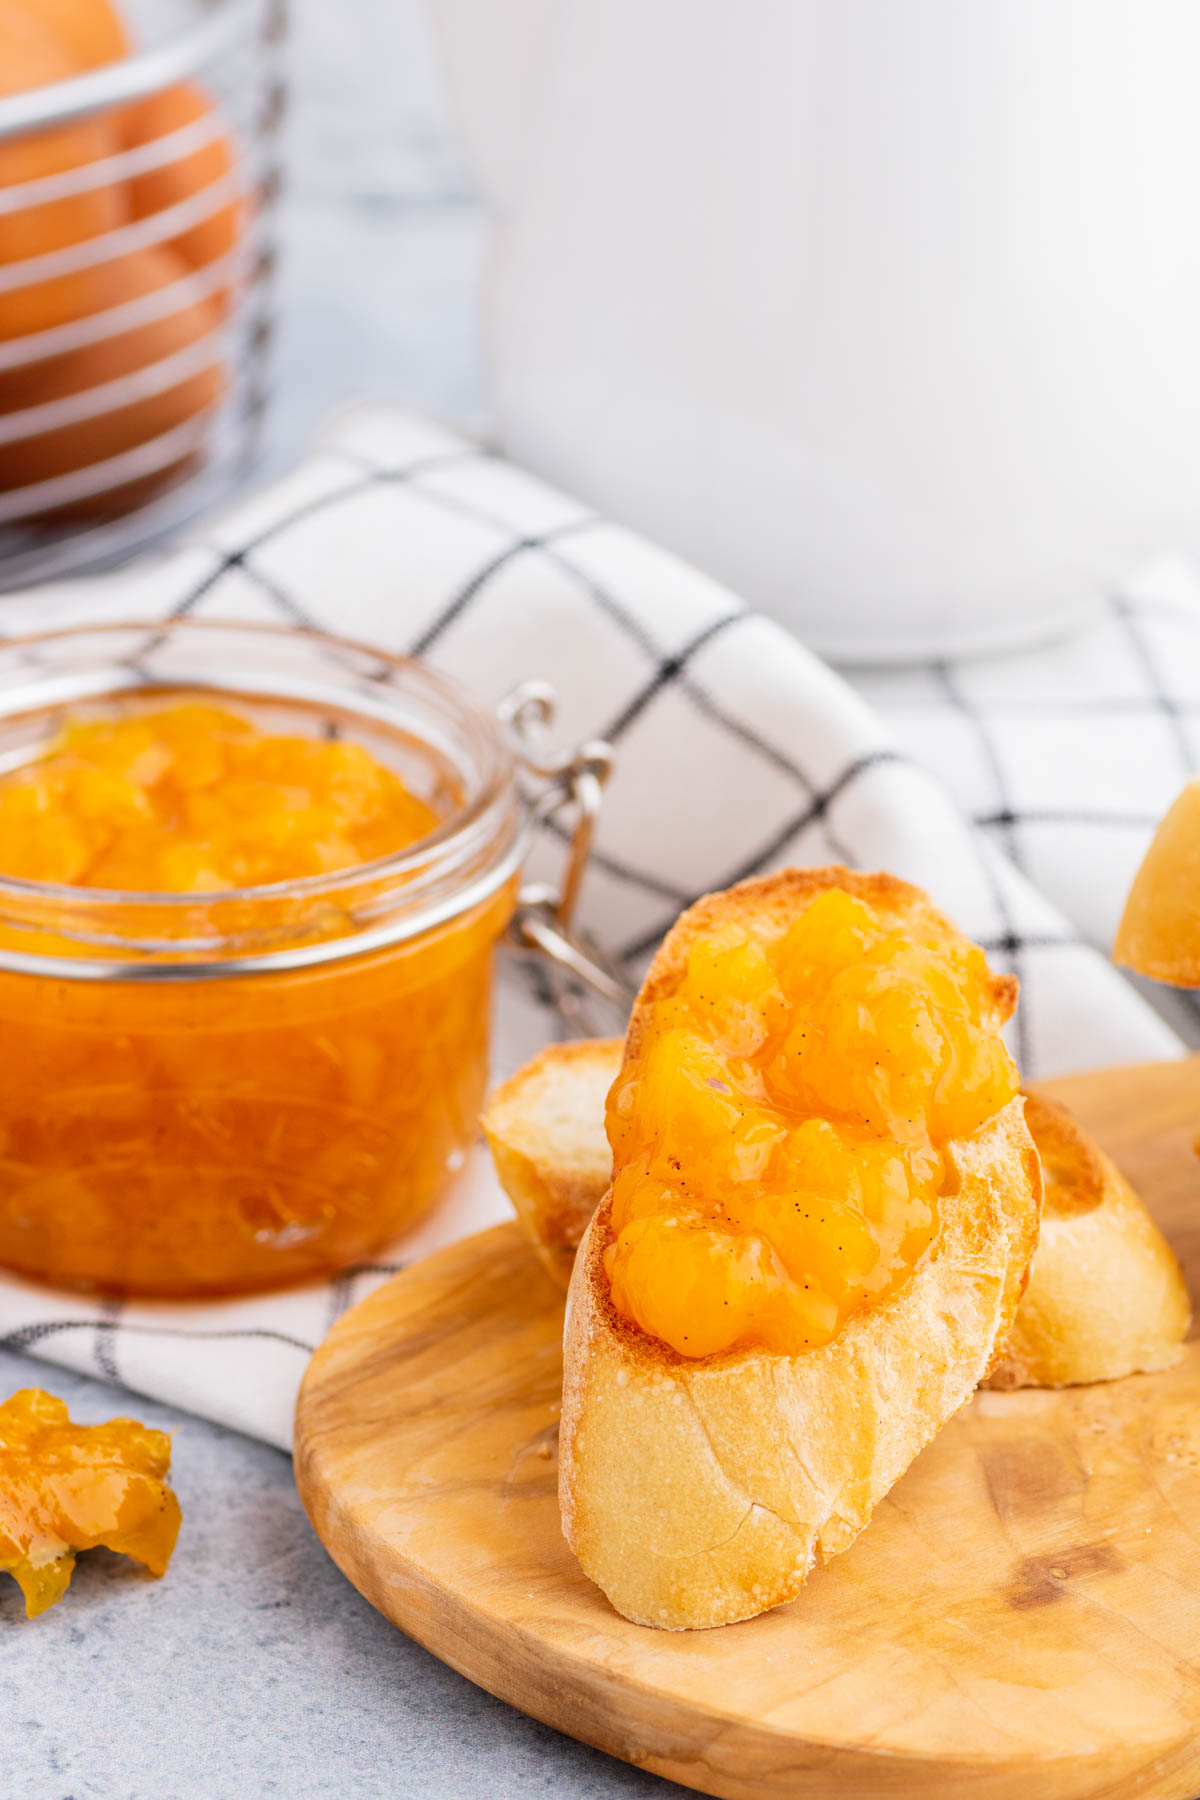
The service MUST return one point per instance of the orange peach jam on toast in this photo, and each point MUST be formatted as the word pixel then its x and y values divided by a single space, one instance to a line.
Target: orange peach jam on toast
pixel 66 1488
pixel 778 1126
pixel 193 798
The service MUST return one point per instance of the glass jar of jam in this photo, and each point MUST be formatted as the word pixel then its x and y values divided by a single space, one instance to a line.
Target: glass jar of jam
pixel 208 1092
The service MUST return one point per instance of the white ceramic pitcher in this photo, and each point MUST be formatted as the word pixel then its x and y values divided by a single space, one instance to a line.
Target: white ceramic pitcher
pixel 885 311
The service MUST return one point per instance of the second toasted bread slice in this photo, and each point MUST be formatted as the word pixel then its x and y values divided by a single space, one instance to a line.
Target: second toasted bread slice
pixel 545 1130
pixel 1106 1297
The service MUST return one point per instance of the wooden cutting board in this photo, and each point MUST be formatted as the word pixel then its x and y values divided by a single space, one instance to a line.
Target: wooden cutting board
pixel 1021 1619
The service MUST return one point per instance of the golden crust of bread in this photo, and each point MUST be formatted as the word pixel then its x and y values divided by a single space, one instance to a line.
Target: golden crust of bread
pixel 1106 1297
pixel 545 1129
pixel 695 1493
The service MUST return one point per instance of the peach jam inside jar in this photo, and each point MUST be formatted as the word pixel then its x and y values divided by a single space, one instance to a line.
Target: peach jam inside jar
pixel 251 883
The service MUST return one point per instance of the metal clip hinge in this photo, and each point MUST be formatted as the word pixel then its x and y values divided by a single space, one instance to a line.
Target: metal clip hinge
pixel 544 916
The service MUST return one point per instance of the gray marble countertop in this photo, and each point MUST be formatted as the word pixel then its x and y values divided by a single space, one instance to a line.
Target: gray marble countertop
pixel 254 1668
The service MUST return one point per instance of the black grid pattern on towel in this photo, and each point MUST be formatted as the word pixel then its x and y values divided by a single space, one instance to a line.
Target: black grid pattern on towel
pixel 1128 686
pixel 663 670
pixel 656 672
pixel 1010 939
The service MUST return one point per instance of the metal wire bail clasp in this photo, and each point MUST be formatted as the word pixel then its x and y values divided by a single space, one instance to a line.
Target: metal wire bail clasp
pixel 544 916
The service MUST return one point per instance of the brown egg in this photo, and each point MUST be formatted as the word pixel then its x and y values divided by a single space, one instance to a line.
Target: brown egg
pixel 177 181
pixel 44 41
pixel 91 440
pixel 31 58
pixel 90 31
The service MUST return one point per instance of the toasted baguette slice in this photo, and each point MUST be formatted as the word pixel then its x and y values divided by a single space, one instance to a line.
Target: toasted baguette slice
pixel 545 1129
pixel 1106 1297
pixel 699 1492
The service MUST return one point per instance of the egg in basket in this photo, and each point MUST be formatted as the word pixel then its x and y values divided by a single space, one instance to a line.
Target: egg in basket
pixel 134 166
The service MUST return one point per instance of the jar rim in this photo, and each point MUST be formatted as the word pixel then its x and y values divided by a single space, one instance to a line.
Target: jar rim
pixel 484 837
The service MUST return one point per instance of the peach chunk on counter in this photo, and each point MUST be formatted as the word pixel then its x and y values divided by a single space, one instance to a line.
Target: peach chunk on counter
pixel 66 1488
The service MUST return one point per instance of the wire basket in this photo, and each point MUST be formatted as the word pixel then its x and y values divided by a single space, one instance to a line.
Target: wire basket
pixel 137 252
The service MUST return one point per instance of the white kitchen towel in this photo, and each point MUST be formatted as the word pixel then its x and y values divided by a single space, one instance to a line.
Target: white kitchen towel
pixel 1019 791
